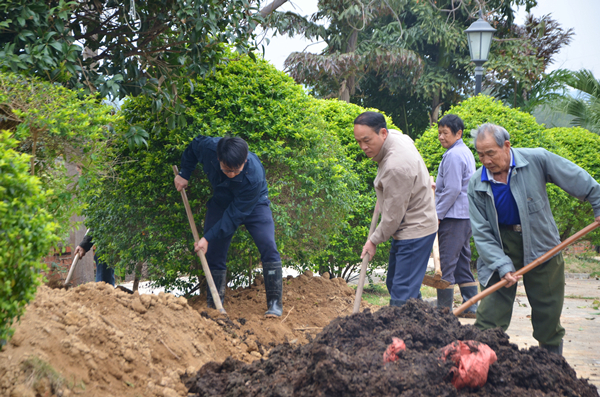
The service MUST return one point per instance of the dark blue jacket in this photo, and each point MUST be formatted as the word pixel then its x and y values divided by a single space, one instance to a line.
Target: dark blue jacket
pixel 237 196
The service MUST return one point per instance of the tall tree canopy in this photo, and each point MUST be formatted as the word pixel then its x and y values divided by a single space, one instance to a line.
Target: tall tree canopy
pixel 407 57
pixel 517 67
pixel 125 48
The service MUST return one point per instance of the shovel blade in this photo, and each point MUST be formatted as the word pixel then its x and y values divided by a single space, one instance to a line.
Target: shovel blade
pixel 435 282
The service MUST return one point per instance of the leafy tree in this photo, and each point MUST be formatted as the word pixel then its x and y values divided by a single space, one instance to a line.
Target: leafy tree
pixel 56 126
pixel 125 48
pixel 586 106
pixel 406 108
pixel 354 46
pixel 519 58
pixel 408 57
pixel 138 216
pixel 26 234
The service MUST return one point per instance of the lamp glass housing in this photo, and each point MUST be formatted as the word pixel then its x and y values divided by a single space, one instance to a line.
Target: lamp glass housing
pixel 479 45
pixel 479 36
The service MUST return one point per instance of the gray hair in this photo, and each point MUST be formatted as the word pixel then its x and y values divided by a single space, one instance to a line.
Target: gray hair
pixel 499 133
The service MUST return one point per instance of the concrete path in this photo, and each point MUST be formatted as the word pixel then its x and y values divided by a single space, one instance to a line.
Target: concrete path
pixel 581 322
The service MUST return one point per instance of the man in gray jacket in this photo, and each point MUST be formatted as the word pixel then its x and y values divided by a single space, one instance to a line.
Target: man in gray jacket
pixel 513 225
pixel 407 207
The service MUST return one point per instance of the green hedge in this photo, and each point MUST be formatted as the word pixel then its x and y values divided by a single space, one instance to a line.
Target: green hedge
pixel 341 256
pixel 524 130
pixel 26 234
pixel 138 216
pixel 583 148
pixel 55 125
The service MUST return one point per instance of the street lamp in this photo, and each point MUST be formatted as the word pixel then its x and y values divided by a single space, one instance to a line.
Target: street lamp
pixel 479 35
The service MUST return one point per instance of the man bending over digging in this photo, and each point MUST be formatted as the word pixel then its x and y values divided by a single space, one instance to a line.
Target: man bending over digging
pixel 240 197
pixel 407 207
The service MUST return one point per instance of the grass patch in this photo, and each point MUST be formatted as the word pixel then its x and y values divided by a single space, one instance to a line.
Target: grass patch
pixel 39 371
pixel 428 292
pixel 582 297
pixel 582 263
pixel 377 294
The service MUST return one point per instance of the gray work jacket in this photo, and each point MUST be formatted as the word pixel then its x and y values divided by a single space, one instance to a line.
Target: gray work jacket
pixel 533 169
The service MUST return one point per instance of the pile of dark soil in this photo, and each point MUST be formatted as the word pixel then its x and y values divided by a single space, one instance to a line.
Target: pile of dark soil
pixel 345 359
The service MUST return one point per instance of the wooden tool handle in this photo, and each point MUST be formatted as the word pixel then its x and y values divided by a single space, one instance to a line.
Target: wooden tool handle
pixel 74 264
pixel 436 244
pixel 527 268
pixel 72 269
pixel 211 283
pixel 365 263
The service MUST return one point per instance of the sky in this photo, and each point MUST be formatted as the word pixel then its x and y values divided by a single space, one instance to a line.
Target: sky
pixel 581 15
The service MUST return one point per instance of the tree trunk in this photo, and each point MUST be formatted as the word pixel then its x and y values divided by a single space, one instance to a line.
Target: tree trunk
pixel 250 268
pixel 435 108
pixel 138 275
pixel 347 88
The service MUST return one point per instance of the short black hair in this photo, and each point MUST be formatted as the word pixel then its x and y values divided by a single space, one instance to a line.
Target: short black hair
pixel 453 122
pixel 233 151
pixel 371 119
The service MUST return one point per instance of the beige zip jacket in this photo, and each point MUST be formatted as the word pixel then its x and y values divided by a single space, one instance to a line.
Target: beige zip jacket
pixel 403 191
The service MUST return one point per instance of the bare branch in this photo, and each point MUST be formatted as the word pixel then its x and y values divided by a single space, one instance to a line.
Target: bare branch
pixel 269 8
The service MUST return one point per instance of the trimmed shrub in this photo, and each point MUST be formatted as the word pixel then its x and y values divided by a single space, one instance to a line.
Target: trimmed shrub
pixel 523 129
pixel 138 216
pixel 56 126
pixel 26 234
pixel 341 256
pixel 583 148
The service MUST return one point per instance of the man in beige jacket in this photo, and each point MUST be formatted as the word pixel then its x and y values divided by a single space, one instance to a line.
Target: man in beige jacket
pixel 406 201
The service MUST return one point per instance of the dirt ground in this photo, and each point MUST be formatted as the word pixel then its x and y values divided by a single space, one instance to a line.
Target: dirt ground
pixel 94 340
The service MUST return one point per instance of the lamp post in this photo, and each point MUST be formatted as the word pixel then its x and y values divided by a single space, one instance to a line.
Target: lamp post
pixel 479 36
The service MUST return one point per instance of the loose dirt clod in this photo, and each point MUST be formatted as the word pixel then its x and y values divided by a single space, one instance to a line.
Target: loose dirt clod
pixel 346 359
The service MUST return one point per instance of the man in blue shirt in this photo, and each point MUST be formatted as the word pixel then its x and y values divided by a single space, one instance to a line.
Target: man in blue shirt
pixel 240 197
pixel 513 225
pixel 452 207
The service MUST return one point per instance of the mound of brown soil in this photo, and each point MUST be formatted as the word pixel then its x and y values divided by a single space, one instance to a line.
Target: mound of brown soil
pixel 309 304
pixel 101 341
pixel 346 360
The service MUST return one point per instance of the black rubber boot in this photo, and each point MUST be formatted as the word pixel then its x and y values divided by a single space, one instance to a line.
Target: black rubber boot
pixel 467 292
pixel 220 279
pixel 397 302
pixel 273 287
pixel 445 297
pixel 554 349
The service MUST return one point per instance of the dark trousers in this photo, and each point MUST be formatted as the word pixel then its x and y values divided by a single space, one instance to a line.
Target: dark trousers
pixel 103 272
pixel 259 224
pixel 455 250
pixel 545 288
pixel 407 266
